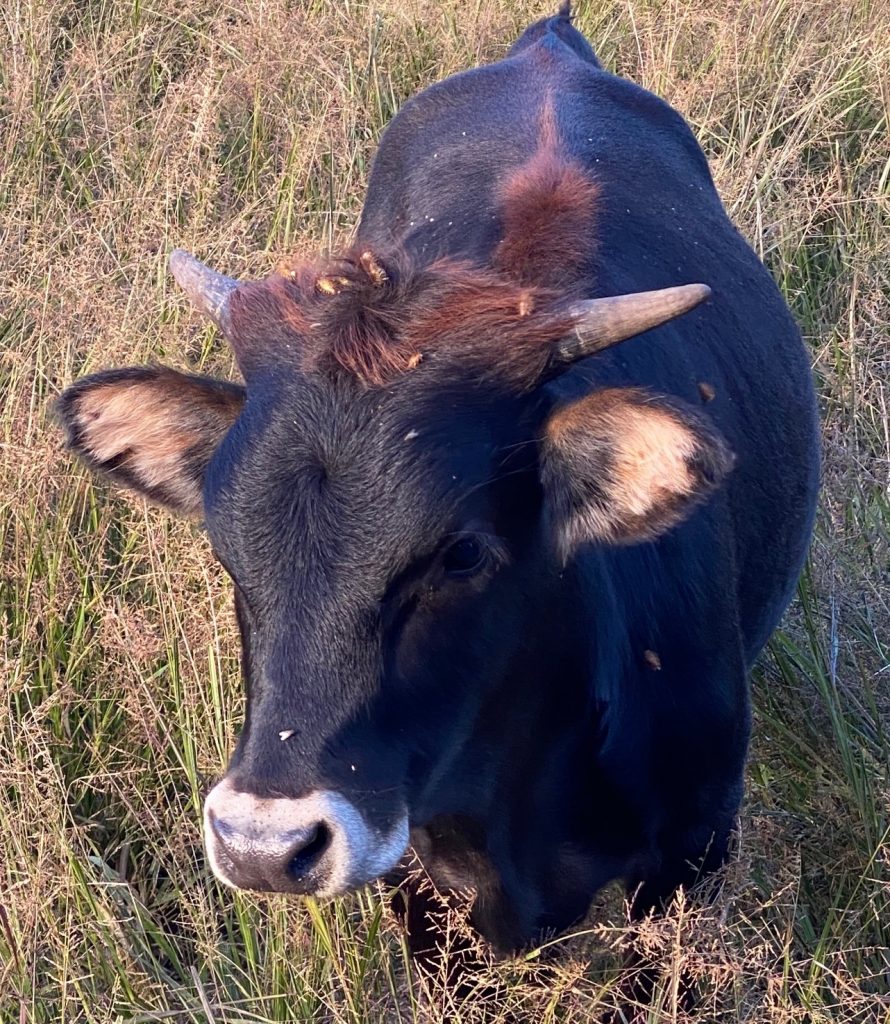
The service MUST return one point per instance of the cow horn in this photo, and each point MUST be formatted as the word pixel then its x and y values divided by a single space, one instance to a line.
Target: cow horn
pixel 210 292
pixel 600 323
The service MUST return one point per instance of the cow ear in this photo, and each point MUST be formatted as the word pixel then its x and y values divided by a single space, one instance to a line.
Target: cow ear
pixel 620 467
pixel 151 429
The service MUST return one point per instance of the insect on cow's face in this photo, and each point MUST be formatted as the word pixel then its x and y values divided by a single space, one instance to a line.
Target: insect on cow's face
pixel 392 542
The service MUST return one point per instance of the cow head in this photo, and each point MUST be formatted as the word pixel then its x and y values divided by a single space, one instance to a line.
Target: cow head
pixel 394 493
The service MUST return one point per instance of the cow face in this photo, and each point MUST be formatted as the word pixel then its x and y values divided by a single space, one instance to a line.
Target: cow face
pixel 372 603
pixel 394 549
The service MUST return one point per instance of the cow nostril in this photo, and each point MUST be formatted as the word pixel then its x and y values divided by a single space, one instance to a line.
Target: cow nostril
pixel 310 852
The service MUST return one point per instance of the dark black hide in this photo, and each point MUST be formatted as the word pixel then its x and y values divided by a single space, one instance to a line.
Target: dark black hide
pixel 549 725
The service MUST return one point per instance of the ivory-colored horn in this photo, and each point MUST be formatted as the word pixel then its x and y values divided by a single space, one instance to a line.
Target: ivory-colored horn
pixel 210 292
pixel 603 322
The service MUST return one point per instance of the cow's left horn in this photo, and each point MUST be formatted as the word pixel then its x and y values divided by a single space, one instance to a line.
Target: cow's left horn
pixel 210 292
pixel 600 323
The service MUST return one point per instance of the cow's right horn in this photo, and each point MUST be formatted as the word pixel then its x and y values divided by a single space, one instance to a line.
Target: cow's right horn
pixel 210 292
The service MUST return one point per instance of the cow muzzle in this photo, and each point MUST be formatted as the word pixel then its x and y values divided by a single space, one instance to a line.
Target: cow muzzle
pixel 319 845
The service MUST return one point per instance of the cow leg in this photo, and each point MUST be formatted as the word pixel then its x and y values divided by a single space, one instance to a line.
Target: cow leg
pixel 442 953
pixel 686 861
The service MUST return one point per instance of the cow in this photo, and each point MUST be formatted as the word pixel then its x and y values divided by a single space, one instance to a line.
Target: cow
pixel 516 488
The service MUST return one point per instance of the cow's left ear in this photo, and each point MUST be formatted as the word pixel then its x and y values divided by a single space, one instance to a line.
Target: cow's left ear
pixel 621 466
pixel 151 428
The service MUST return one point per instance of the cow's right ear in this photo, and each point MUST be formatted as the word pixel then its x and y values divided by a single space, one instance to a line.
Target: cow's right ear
pixel 150 428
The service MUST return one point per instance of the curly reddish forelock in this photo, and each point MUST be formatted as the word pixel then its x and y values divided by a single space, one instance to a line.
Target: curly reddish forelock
pixel 337 316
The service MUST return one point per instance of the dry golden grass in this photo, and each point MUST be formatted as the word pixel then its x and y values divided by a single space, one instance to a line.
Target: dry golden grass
pixel 244 132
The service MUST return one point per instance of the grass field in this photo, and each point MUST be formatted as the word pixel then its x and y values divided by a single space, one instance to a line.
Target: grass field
pixel 244 131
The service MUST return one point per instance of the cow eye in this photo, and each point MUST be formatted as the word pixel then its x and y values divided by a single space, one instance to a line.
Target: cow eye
pixel 464 558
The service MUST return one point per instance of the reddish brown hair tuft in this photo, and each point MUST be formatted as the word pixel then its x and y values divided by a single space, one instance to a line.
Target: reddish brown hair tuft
pixel 548 212
pixel 379 317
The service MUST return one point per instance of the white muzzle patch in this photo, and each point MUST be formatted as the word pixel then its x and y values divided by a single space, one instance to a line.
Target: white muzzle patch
pixel 265 830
